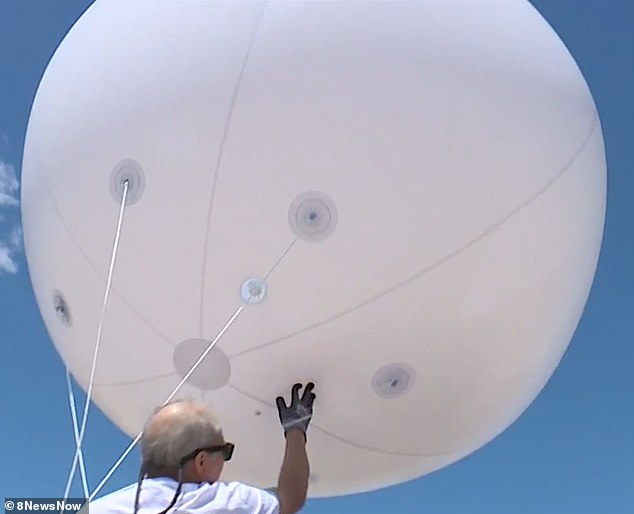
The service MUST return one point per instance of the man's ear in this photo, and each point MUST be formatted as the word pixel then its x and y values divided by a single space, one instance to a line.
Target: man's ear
pixel 198 460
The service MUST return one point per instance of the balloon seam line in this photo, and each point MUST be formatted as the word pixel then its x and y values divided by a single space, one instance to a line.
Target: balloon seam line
pixel 92 265
pixel 438 262
pixel 317 428
pixel 221 147
pixel 133 382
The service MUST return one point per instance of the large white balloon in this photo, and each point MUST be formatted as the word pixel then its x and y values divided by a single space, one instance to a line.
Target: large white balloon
pixel 426 180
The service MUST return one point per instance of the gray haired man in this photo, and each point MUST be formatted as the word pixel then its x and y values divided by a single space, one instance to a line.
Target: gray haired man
pixel 183 453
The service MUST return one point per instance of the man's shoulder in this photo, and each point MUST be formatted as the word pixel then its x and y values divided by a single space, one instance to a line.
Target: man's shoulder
pixel 234 496
pixel 115 501
pixel 250 495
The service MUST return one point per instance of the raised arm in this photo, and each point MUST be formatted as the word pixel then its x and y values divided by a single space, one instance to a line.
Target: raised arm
pixel 292 486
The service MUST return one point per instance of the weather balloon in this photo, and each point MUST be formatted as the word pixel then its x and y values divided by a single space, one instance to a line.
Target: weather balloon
pixel 400 201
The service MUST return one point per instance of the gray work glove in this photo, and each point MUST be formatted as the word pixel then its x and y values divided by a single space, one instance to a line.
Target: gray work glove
pixel 297 416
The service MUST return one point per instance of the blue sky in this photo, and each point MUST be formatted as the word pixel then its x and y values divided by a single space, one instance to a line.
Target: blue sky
pixel 571 452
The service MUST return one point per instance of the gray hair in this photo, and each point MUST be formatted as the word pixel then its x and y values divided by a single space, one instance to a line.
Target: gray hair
pixel 175 430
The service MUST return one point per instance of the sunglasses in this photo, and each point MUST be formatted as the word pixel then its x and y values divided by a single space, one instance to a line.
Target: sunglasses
pixel 226 449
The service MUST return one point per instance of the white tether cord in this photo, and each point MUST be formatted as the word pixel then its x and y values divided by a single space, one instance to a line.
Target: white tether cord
pixel 186 377
pixel 126 184
pixel 169 398
pixel 73 413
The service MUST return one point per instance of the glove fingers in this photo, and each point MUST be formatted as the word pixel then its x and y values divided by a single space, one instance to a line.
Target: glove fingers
pixel 295 394
pixel 308 396
pixel 281 403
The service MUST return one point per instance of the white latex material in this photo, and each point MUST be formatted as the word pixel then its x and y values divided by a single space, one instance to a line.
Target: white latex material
pixel 462 151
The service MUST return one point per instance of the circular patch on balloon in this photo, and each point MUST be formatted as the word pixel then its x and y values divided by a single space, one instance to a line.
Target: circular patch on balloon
pixel 312 216
pixel 393 380
pixel 62 309
pixel 212 372
pixel 127 170
pixel 253 290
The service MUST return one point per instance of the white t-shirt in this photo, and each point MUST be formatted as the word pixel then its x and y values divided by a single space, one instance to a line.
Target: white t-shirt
pixel 216 498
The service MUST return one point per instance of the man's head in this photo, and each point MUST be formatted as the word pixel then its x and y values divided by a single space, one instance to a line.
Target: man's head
pixel 174 432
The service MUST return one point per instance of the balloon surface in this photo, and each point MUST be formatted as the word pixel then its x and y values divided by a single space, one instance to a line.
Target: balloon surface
pixel 400 201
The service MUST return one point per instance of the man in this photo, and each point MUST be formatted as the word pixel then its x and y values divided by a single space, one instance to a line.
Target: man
pixel 183 452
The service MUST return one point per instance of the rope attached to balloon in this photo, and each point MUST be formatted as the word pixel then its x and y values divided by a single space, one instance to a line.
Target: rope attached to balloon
pixel 73 413
pixel 126 185
pixel 193 368
pixel 169 398
pixel 80 439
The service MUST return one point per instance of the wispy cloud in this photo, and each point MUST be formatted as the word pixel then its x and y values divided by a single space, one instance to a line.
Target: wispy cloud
pixel 8 185
pixel 7 263
pixel 9 245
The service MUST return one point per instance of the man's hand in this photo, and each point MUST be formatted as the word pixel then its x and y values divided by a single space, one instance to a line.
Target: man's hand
pixel 297 416
pixel 292 486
